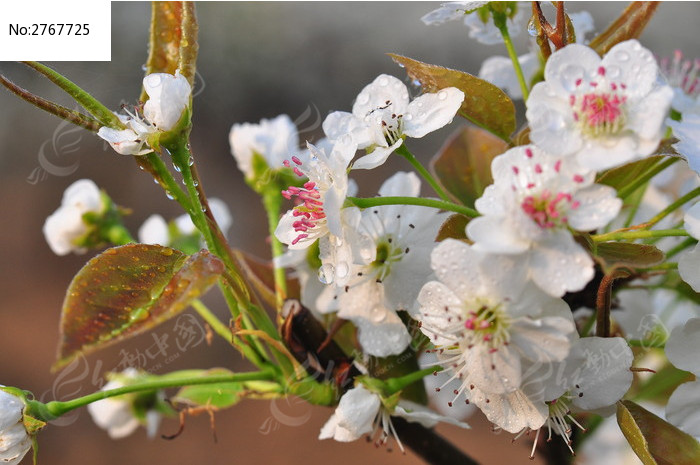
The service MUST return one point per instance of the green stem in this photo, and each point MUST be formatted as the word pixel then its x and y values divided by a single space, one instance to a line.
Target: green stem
pixel 117 234
pixel 673 207
pixel 396 384
pixel 640 181
pixel 404 152
pixel 57 408
pixel 646 344
pixel 681 247
pixel 637 234
pixel 501 23
pixel 272 200
pixel 212 320
pixel 439 204
pixel 661 267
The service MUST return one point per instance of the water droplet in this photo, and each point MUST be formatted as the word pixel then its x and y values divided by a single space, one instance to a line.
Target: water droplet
pixel 153 80
pixel 326 273
pixel 570 75
pixel 177 168
pixel 532 28
pixel 621 55
pixel 442 95
pixel 190 161
pixel 613 72
pixel 408 117
pixel 143 67
pixel 342 270
pixel 362 99
pixel 416 82
pixel 169 195
pixel 383 81
pixel 377 314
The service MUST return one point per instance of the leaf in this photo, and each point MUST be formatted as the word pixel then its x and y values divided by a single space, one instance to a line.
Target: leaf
pixel 624 175
pixel 261 275
pixel 655 441
pixel 484 104
pixel 463 164
pixel 614 255
pixel 629 25
pixel 223 395
pixel 128 290
pixel 173 40
pixel 454 227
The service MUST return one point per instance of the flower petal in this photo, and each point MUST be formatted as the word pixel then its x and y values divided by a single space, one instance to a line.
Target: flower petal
pixel 597 206
pixel 682 344
pixel 430 112
pixel 683 408
pixel 559 265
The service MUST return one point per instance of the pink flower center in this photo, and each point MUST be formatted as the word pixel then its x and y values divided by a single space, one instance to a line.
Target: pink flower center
pixel 309 209
pixel 681 73
pixel 548 210
pixel 600 111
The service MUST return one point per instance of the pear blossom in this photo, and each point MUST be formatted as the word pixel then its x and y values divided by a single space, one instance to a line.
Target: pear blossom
pixel 498 70
pixel 322 196
pixel 684 78
pixel 66 225
pixel 276 140
pixel 602 112
pixel 450 11
pixel 169 95
pixel 361 411
pixel 154 231
pixel 117 415
pixel 528 210
pixel 487 322
pixel 687 131
pixel 689 263
pixel 683 408
pixel 389 247
pixel 382 117
pixel 14 440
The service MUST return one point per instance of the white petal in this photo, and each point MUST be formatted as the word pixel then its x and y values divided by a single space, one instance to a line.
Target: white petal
pixel 353 417
pixel 647 117
pixel 430 112
pixel 599 370
pixel 515 411
pixel 450 11
pixel 339 123
pixel 559 265
pixel 401 184
pixel 417 413
pixel 439 311
pixel 493 234
pixel 683 408
pixel 692 221
pixel 274 139
pixel 689 267
pixel 637 66
pixel 498 70
pixel 688 133
pixel 376 157
pixel 383 89
pixel 221 213
pixel 14 444
pixel 682 344
pixel 497 372
pixel 168 96
pixel 10 410
pixel 542 340
pixel 564 67
pixel 598 205
pixel 154 231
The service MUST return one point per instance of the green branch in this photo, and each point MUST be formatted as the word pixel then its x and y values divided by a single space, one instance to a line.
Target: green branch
pixel 637 234
pixel 404 152
pixel 433 203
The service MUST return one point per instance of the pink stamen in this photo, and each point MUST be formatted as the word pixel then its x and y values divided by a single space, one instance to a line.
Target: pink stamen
pixel 578 178
pixel 296 160
pixel 516 170
pixel 601 71
pixel 528 153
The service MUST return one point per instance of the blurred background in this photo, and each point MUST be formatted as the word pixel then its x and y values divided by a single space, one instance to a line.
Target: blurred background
pixel 257 60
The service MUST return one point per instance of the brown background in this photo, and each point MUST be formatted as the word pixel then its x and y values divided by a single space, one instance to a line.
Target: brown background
pixel 257 60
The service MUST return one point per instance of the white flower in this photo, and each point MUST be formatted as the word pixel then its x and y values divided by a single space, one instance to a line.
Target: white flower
pixel 528 209
pixel 169 95
pixel 486 322
pixel 689 263
pixel 14 440
pixel 276 140
pixel 361 412
pixel 382 116
pixel 687 131
pixel 498 70
pixel 154 231
pixel 321 198
pixel 683 408
pixel 116 414
pixel 387 264
pixel 450 11
pixel 487 33
pixel 602 112
pixel 683 77
pixel 64 226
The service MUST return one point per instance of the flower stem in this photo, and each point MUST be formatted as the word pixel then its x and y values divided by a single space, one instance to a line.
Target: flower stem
pixel 394 385
pixel 212 320
pixel 439 204
pixel 646 344
pixel 58 408
pixel 673 207
pixel 272 200
pixel 501 23
pixel 404 152
pixel 630 235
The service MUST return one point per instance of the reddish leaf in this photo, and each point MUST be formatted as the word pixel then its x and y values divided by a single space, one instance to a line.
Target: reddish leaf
pixel 615 255
pixel 455 227
pixel 261 275
pixel 629 25
pixel 463 164
pixel 128 290
pixel 484 104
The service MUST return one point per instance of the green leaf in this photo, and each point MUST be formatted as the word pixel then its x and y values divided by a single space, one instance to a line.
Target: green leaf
pixel 463 164
pixel 615 255
pixel 484 104
pixel 223 395
pixel 629 25
pixel 655 441
pixel 623 175
pixel 90 103
pixel 128 290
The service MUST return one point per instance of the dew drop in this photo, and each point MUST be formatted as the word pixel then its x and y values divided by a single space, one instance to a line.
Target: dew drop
pixel 325 273
pixel 383 81
pixel 342 270
pixel 442 95
pixel 154 80
pixel 377 314
pixel 621 55
pixel 177 168
pixel 169 195
pixel 416 82
pixel 190 161
pixel 532 28
pixel 362 99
